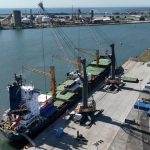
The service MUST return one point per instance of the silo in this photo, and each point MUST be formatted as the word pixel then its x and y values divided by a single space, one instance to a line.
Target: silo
pixel 17 18
pixel 92 14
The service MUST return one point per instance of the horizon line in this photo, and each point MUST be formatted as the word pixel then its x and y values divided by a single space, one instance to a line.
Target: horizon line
pixel 82 7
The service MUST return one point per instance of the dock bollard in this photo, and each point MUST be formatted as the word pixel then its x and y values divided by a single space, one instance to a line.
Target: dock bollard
pixel 59 132
pixel 77 134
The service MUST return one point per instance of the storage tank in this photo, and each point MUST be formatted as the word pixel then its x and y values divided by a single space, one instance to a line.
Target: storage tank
pixel 17 18
pixel 26 20
pixel 38 18
pixel 45 19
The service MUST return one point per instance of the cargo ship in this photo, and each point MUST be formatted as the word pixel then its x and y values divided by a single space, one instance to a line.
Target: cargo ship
pixel 31 111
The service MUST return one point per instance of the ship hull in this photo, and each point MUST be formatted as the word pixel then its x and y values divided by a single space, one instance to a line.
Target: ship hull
pixel 18 137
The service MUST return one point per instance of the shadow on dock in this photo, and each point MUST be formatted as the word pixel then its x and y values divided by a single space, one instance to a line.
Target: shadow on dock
pixel 132 130
pixel 49 140
pixel 68 142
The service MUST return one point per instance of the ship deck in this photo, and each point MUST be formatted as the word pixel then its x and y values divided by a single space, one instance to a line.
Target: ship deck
pixel 108 128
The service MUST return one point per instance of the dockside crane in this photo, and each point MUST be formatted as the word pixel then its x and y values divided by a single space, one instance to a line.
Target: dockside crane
pixel 85 111
pixel 85 107
pixel 113 83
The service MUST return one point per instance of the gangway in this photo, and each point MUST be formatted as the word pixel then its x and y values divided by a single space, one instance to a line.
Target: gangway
pixel 29 139
pixel 6 18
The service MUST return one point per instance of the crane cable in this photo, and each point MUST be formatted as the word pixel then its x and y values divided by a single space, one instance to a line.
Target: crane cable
pixel 59 42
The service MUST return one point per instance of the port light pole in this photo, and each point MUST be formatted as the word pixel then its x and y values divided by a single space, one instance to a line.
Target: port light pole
pixel 139 101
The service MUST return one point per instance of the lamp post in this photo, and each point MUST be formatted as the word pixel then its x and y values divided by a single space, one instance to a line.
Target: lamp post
pixel 138 101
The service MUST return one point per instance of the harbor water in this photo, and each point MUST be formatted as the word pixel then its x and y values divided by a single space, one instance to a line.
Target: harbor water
pixel 37 47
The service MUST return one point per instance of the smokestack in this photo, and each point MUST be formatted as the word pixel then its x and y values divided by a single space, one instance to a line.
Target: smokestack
pixel 79 13
pixel 92 14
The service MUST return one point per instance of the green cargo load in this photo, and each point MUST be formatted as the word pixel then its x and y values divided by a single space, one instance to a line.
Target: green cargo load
pixel 66 96
pixel 130 79
pixel 94 70
pixel 58 103
pixel 102 62
pixel 62 86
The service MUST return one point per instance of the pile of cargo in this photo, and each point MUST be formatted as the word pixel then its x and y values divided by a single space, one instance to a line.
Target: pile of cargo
pixel 130 79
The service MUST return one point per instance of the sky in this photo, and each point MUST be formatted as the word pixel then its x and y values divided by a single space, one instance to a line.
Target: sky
pixel 75 3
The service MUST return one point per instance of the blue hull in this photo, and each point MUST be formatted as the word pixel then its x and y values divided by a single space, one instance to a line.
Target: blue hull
pixel 38 128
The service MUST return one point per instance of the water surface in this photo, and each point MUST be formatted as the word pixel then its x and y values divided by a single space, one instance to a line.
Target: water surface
pixel 26 47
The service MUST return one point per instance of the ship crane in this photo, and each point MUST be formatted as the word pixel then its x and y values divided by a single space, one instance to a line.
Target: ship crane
pixel 17 111
pixel 85 107
pixel 51 75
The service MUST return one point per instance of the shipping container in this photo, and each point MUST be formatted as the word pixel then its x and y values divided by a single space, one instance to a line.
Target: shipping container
pixel 148 113
pixel 103 62
pixel 48 112
pixel 142 106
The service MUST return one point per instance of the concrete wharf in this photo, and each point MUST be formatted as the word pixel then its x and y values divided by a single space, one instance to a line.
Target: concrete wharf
pixel 108 131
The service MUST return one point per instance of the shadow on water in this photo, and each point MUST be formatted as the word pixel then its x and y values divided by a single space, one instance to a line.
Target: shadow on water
pixel 7 145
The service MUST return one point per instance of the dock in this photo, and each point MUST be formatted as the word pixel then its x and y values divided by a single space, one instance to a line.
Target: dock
pixel 109 131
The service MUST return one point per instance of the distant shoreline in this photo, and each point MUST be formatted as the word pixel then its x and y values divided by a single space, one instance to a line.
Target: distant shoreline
pixel 70 17
pixel 75 25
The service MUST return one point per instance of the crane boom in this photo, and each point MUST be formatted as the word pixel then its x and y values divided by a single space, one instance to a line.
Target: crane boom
pixel 51 75
pixel 85 51
pixel 65 59
pixel 37 71
pixel 75 62
pixel 96 55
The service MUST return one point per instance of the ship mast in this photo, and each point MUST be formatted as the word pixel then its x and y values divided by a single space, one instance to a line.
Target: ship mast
pixel 97 58
pixel 79 64
pixel 53 82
